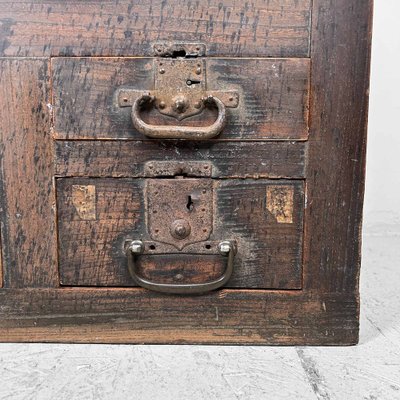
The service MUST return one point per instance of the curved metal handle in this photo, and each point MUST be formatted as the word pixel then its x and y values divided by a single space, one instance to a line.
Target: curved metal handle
pixel 178 132
pixel 226 249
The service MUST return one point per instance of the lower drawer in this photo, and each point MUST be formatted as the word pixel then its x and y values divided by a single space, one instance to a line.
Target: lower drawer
pixel 180 223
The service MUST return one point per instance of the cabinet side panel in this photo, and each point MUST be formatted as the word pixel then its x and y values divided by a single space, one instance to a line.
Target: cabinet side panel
pixel 26 187
pixel 341 39
pixel 1 263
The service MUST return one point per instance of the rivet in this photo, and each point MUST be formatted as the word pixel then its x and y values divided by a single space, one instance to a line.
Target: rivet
pixel 161 105
pixel 198 71
pixel 178 277
pixel 224 247
pixel 136 247
pixel 162 70
pixel 180 229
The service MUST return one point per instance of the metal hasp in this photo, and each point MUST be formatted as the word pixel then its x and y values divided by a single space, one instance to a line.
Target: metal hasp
pixel 180 91
pixel 179 221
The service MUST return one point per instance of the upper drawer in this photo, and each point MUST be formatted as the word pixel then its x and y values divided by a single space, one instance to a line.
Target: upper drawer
pixel 266 28
pixel 273 95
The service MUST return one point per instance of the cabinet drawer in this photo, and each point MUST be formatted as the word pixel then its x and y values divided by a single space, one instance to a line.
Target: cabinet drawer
pixel 96 218
pixel 273 96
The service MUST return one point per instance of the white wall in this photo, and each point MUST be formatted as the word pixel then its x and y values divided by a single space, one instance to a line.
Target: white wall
pixel 382 202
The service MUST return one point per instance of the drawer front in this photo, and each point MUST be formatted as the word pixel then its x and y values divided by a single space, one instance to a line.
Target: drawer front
pixel 264 218
pixel 272 96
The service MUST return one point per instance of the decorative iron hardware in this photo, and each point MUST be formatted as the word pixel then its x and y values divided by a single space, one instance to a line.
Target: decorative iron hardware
pixel 175 205
pixel 154 169
pixel 180 91
pixel 135 248
pixel 179 221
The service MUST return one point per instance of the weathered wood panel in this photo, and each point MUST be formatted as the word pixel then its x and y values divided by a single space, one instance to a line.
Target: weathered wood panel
pixel 229 159
pixel 325 311
pixel 27 192
pixel 268 233
pixel 278 28
pixel 273 104
pixel 139 316
pixel 1 264
pixel 336 165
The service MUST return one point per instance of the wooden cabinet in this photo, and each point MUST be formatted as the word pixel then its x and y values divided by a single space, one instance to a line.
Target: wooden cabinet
pixel 176 172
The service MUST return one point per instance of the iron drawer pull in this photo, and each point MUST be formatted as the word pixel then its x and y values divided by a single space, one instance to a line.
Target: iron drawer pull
pixel 136 247
pixel 178 132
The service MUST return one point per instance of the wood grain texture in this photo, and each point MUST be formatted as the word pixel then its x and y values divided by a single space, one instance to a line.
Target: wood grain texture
pixel 336 165
pixel 279 28
pixel 27 192
pixel 1 263
pixel 273 97
pixel 214 372
pixel 325 311
pixel 91 251
pixel 139 316
pixel 229 159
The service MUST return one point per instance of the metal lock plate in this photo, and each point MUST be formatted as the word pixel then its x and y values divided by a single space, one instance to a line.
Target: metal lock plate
pixel 179 211
pixel 180 84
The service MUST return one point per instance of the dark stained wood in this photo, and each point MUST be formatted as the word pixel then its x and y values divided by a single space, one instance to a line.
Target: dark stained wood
pixel 1 264
pixel 336 165
pixel 275 28
pixel 139 316
pixel 273 104
pixel 181 268
pixel 229 159
pixel 91 248
pixel 269 248
pixel 325 311
pixel 27 192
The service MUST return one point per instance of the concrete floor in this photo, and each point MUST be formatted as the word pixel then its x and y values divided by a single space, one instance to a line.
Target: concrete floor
pixel 370 370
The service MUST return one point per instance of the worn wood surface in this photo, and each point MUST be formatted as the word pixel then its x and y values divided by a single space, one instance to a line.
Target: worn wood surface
pixel 91 250
pixel 229 159
pixel 274 28
pixel 27 192
pixel 139 316
pixel 325 311
pixel 336 157
pixel 1 264
pixel 273 97
pixel 370 370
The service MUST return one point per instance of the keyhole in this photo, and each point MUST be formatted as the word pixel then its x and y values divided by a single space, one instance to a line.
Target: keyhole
pixel 190 204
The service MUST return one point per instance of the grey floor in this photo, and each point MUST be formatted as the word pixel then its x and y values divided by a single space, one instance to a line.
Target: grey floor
pixel 370 370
